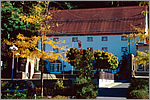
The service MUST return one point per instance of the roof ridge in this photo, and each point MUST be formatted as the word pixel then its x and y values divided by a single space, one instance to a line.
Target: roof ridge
pixel 107 8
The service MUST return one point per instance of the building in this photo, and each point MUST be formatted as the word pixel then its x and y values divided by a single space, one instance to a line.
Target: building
pixel 98 28
pixel 140 71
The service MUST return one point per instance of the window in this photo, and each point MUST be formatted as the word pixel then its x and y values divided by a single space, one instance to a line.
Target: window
pixel 123 38
pixel 147 68
pixel 90 48
pixel 104 38
pixel 124 49
pixel 89 39
pixel 140 68
pixel 55 67
pixel 104 48
pixel 55 50
pixel 55 39
pixel 74 39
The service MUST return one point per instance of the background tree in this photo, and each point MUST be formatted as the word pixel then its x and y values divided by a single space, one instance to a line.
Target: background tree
pixel 37 15
pixel 140 36
pixel 11 26
pixel 91 4
pixel 27 47
pixel 11 23
pixel 105 60
pixel 124 71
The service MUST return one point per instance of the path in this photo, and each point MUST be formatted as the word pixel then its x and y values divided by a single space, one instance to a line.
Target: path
pixel 116 90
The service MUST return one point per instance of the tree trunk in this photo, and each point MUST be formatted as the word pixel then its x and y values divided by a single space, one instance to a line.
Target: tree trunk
pixel 42 68
pixel 97 76
pixel 42 78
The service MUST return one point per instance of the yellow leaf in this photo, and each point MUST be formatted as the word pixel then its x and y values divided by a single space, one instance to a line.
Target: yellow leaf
pixel 12 12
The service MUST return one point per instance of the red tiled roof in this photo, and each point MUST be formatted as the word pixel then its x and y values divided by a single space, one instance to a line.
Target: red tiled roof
pixel 98 20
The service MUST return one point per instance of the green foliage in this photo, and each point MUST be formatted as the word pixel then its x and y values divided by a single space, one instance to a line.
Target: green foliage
pixel 105 60
pixel 138 94
pixel 143 3
pixel 124 72
pixel 85 88
pixel 58 85
pixel 146 97
pixel 3 83
pixel 70 6
pixel 136 86
pixel 142 58
pixel 11 25
pixel 15 95
pixel 82 59
pixel 58 88
pixel 141 36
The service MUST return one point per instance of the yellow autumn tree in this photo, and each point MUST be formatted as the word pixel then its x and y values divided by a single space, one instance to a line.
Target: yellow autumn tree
pixel 28 45
pixel 142 35
pixel 143 56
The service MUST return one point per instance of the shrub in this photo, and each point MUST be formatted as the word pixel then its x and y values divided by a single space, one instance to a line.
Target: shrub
pixel 82 60
pixel 85 88
pixel 59 97
pixel 138 84
pixel 146 97
pixel 47 91
pixel 58 88
pixel 3 83
pixel 16 95
pixel 138 94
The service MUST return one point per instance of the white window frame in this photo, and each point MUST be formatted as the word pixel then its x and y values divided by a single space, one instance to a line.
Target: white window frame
pixel 56 39
pixel 55 67
pixel 122 38
pixel 89 38
pixel 123 48
pixel 75 38
pixel 104 38
pixel 140 68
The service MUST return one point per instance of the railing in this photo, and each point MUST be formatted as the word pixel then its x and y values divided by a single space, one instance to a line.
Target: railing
pixel 105 75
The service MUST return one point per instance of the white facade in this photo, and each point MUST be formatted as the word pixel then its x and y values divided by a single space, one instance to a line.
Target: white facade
pixel 114 44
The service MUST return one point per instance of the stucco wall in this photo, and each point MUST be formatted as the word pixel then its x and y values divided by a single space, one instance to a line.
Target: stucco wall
pixel 113 44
